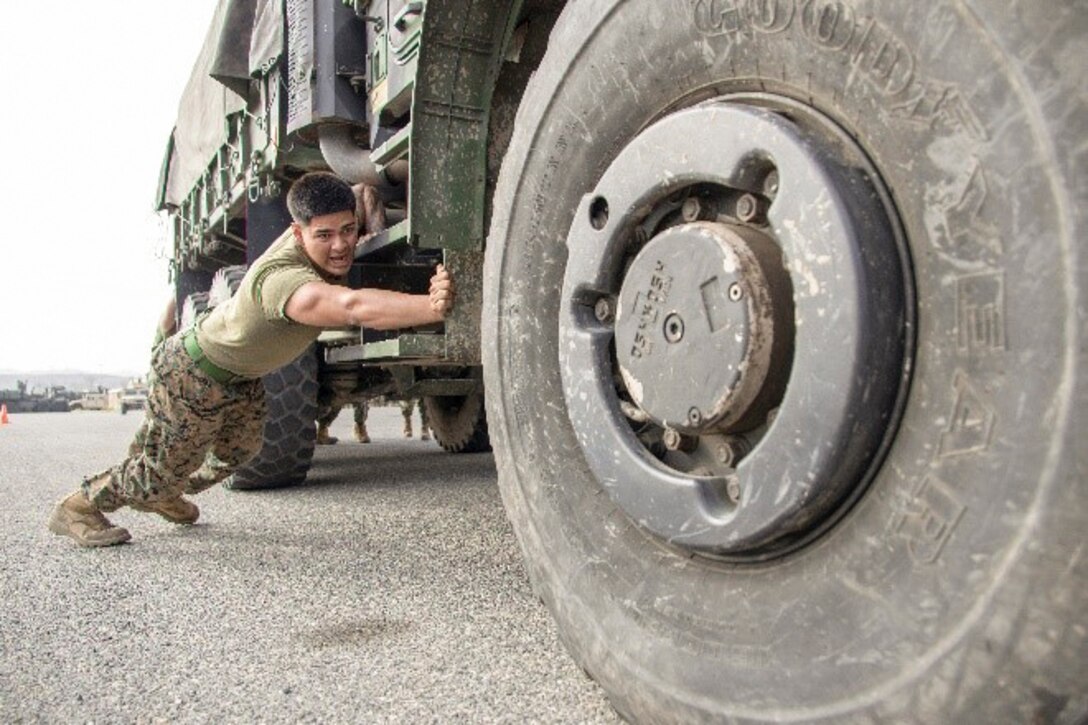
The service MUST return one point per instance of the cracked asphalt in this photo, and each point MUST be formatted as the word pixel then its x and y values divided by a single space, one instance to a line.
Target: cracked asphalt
pixel 389 588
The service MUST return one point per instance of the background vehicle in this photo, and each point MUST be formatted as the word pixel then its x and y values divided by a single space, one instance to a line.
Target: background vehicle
pixel 91 400
pixel 780 316
pixel 21 399
pixel 132 398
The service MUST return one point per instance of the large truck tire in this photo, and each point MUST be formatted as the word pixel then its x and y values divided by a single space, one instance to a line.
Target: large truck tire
pixel 894 196
pixel 225 283
pixel 459 423
pixel 289 430
pixel 192 307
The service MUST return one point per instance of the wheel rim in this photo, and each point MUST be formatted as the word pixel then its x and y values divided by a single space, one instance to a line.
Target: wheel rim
pixel 736 326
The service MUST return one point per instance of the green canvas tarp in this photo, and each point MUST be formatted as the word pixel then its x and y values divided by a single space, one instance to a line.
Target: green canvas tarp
pixel 245 39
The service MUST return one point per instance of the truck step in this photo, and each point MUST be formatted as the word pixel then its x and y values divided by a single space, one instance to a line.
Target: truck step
pixel 413 347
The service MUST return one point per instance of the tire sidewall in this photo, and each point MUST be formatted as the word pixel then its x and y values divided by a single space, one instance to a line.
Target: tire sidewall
pixel 983 446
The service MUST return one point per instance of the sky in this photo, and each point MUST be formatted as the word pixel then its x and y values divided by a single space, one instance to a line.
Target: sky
pixel 90 94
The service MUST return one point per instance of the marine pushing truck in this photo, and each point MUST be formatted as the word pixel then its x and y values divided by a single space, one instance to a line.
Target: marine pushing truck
pixel 773 312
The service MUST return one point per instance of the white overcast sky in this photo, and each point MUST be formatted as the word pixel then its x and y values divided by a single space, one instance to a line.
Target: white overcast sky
pixel 89 97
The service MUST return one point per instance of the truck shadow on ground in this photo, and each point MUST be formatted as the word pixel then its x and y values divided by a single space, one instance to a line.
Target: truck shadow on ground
pixel 397 464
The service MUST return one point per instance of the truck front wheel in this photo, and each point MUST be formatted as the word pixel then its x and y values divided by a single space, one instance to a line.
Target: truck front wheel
pixel 783 356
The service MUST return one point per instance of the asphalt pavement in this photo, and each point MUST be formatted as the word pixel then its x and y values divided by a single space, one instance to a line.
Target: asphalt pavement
pixel 389 588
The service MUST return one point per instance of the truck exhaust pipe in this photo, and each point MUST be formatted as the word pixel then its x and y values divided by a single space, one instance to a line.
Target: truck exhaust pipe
pixel 352 163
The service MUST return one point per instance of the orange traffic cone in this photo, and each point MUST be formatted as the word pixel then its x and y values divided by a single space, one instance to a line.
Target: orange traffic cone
pixel 4 414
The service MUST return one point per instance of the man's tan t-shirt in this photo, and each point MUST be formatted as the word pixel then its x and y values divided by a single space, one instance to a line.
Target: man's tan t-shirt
pixel 250 334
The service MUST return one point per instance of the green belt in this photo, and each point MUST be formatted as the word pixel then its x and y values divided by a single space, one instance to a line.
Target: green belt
pixel 216 373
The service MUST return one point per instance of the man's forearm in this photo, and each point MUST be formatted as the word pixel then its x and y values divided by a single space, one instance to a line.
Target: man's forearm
pixel 380 309
pixel 324 305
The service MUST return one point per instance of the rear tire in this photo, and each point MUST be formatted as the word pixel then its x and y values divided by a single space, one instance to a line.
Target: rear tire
pixel 225 284
pixel 289 430
pixel 951 587
pixel 458 423
pixel 192 307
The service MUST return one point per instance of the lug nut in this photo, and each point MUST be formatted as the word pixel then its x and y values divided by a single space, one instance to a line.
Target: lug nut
pixel 736 292
pixel 732 489
pixel 603 310
pixel 691 209
pixel 747 208
pixel 674 440
pixel 770 184
pixel 726 455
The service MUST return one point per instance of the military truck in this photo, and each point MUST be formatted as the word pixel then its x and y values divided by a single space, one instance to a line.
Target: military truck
pixel 22 399
pixel 778 306
pixel 91 400
pixel 131 397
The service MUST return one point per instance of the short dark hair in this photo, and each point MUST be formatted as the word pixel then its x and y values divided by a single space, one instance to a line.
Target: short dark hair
pixel 317 194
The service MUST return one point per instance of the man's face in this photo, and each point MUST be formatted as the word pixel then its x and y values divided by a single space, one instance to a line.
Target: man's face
pixel 329 241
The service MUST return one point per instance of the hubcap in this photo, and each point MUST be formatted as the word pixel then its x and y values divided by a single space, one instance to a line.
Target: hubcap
pixel 695 325
pixel 751 375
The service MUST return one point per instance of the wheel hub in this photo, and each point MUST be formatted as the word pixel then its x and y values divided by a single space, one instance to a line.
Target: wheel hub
pixel 748 382
pixel 695 326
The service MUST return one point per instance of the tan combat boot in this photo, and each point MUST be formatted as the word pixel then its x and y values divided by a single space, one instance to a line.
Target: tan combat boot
pixel 178 510
pixel 360 434
pixel 323 437
pixel 76 517
pixel 407 429
pixel 424 433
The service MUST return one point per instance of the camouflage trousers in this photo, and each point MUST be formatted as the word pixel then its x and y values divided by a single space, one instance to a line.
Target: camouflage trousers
pixel 195 433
